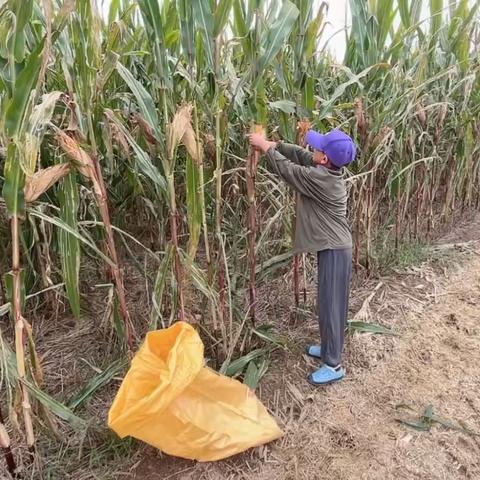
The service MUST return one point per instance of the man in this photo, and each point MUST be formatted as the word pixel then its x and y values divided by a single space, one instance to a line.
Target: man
pixel 322 229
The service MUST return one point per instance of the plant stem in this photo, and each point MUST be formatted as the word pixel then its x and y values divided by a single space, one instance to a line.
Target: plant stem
pixel 19 333
pixel 174 236
pixel 6 445
pixel 101 196
pixel 251 174
pixel 204 215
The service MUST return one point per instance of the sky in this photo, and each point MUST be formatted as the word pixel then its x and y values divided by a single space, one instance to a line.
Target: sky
pixel 338 14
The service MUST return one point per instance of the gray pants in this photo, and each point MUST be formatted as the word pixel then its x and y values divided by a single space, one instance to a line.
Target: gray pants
pixel 334 272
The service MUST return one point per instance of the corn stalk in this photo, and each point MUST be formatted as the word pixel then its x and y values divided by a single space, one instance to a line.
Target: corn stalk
pixel 6 445
pixel 251 175
pixel 90 168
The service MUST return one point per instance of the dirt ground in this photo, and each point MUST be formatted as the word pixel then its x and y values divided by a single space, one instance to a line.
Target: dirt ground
pixel 351 430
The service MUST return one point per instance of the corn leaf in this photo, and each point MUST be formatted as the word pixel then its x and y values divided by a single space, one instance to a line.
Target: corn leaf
pixel 153 19
pixel 236 367
pixel 37 122
pixel 23 11
pixel 144 162
pixel 159 287
pixel 205 21
pixel 17 105
pixel 96 383
pixel 69 246
pixel 222 13
pixel 61 224
pixel 340 90
pixel 13 187
pixel 194 206
pixel 256 370
pixel 276 35
pixel 144 99
pixel 42 180
pixel 365 327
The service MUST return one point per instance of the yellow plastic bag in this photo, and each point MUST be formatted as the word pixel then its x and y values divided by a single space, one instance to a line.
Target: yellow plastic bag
pixel 171 401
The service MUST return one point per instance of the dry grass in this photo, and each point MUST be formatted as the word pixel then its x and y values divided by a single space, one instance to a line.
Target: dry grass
pixel 347 431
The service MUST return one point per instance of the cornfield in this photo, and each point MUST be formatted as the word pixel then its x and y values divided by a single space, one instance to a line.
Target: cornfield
pixel 125 133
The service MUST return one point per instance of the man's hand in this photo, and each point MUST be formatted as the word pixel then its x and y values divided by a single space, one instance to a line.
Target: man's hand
pixel 259 142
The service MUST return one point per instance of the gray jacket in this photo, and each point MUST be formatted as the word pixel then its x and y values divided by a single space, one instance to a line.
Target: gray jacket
pixel 322 205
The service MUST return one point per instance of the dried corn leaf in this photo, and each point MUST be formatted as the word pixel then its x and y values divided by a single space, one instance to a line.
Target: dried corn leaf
pixel 176 130
pixel 194 148
pixel 421 115
pixel 210 148
pixel 360 115
pixel 145 128
pixel 42 180
pixel 303 126
pixel 4 438
pixel 382 137
pixel 257 128
pixel 83 161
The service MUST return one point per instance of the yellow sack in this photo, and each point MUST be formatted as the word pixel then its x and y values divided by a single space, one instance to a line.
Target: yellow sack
pixel 171 401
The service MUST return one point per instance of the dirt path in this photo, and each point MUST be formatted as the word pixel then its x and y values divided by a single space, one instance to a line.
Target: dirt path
pixel 349 431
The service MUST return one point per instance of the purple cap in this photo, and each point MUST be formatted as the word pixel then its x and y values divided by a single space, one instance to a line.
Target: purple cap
pixel 336 145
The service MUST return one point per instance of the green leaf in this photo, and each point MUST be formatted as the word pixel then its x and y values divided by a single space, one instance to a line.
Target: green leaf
pixel 240 24
pixel 204 17
pixel 144 162
pixel 427 419
pixel 222 13
pixel 286 106
pixel 23 11
pixel 172 38
pixel 194 206
pixel 118 323
pixel 96 383
pixel 153 19
pixel 419 425
pixel 187 30
pixel 13 187
pixel 160 284
pixel 198 278
pixel 26 81
pixel 237 366
pixel 113 10
pixel 256 370
pixel 54 406
pixel 272 264
pixel 340 90
pixel 144 99
pixel 308 95
pixel 69 246
pixel 266 332
pixel 276 35
pixel 436 12
pixel 58 222
pixel 365 327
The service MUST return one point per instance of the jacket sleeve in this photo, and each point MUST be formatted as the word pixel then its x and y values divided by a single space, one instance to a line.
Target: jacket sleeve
pixel 296 154
pixel 296 176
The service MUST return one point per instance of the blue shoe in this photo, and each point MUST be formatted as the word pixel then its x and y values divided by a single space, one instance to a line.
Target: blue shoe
pixel 326 375
pixel 314 351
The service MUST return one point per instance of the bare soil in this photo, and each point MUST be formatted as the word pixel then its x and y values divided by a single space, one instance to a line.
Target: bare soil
pixel 351 430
